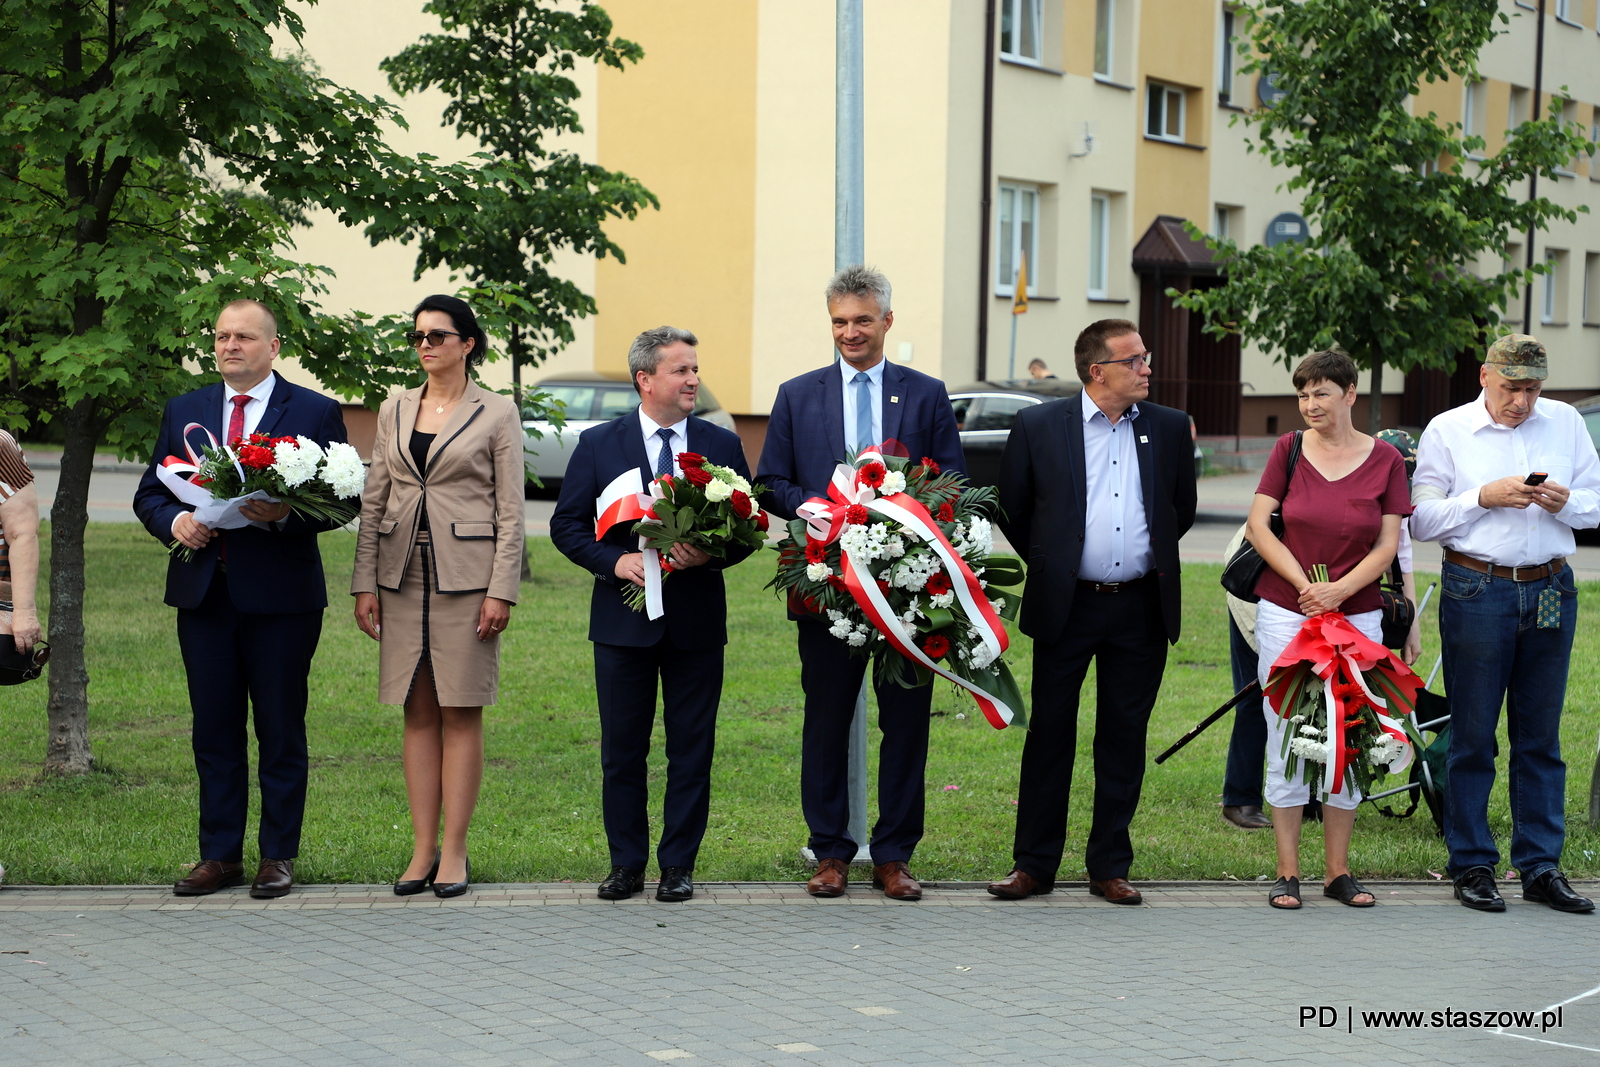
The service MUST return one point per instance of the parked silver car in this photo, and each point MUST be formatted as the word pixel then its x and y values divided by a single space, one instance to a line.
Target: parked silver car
pixel 590 398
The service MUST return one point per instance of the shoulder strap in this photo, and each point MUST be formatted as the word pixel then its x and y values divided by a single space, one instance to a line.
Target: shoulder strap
pixel 1294 461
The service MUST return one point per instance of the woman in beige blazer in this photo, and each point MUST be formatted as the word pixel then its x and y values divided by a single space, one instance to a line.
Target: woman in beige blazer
pixel 438 560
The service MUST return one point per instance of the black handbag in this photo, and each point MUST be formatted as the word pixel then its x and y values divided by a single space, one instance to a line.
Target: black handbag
pixel 1398 610
pixel 1243 571
pixel 18 667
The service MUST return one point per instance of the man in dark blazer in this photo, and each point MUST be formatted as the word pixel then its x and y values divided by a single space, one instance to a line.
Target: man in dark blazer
pixel 1096 490
pixel 682 649
pixel 249 606
pixel 818 419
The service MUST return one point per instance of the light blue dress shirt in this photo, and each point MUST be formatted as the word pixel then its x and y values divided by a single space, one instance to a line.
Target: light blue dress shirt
pixel 875 390
pixel 1116 532
pixel 652 443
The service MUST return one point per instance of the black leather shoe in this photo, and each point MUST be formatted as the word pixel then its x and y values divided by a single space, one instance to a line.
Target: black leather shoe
pixel 1552 888
pixel 677 885
pixel 455 889
pixel 621 883
pixel 1246 816
pixel 1475 889
pixel 410 887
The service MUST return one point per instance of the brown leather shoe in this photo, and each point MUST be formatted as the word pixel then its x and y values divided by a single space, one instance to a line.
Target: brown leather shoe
pixel 1116 891
pixel 209 876
pixel 1020 886
pixel 895 881
pixel 831 878
pixel 273 880
pixel 1246 816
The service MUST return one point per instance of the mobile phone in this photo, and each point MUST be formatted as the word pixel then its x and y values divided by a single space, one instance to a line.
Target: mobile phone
pixel 1536 478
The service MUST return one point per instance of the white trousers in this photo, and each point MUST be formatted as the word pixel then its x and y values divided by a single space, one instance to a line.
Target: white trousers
pixel 1275 628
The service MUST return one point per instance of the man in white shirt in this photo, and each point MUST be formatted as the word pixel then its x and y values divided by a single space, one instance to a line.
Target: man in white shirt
pixel 1501 484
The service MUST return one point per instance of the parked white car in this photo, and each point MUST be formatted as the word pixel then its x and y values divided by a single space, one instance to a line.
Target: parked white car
pixel 590 399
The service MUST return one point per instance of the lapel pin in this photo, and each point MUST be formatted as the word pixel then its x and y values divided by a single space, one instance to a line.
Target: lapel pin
pixel 894 400
pixel 1144 440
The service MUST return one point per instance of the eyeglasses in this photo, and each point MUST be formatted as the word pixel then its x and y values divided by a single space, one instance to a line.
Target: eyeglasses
pixel 435 338
pixel 1144 359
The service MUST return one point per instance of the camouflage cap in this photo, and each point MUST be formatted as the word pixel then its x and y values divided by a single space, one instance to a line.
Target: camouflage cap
pixel 1518 357
pixel 1403 444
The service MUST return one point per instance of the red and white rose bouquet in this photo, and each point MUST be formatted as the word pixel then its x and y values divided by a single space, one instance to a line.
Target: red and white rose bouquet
pixel 899 560
pixel 320 484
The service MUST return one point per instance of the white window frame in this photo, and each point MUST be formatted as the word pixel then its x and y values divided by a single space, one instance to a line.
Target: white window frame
pixel 1167 93
pixel 1591 289
pixel 1010 246
pixel 1105 13
pixel 1099 246
pixel 1550 287
pixel 1225 60
pixel 1563 12
pixel 1013 12
pixel 1475 111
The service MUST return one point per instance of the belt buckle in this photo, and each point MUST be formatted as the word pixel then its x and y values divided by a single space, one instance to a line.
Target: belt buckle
pixel 1514 571
pixel 1108 587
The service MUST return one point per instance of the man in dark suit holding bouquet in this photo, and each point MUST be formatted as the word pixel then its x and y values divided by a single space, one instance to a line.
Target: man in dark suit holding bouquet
pixel 632 652
pixel 250 604
pixel 818 419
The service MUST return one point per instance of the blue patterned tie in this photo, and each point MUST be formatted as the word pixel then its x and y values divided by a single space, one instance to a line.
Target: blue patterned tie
pixel 863 384
pixel 664 457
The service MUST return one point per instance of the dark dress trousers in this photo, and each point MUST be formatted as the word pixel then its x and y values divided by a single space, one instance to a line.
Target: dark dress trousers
pixel 682 650
pixel 1044 497
pixel 247 630
pixel 805 442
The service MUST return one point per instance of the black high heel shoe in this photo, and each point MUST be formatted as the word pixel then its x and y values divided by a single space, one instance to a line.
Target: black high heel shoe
pixel 414 886
pixel 454 889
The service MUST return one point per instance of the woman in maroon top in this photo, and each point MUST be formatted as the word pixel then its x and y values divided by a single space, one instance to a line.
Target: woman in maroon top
pixel 1342 508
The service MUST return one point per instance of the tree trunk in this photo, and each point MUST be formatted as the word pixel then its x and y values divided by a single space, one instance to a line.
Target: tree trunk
pixel 67 750
pixel 1375 407
pixel 516 392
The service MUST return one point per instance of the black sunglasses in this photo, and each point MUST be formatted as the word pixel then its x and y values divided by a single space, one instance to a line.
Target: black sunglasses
pixel 435 338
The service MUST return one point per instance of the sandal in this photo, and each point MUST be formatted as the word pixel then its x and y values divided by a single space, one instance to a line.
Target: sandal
pixel 1345 889
pixel 1285 887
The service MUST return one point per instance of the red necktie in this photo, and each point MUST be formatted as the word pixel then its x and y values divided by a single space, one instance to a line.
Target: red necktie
pixel 236 420
pixel 235 432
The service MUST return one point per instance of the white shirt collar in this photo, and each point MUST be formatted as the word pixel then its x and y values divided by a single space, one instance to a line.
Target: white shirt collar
pixel 875 372
pixel 1091 409
pixel 262 390
pixel 651 425
pixel 1481 419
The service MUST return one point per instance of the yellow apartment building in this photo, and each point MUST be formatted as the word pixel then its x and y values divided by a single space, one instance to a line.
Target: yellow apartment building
pixel 1109 122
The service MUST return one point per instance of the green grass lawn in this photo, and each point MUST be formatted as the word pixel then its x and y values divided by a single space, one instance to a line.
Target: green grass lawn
pixel 133 821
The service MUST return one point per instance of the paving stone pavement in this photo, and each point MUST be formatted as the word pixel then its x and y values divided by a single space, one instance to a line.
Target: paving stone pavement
pixel 763 974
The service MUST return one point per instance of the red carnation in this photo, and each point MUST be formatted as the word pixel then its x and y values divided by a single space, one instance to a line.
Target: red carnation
pixel 873 474
pixel 946 512
pixel 883 587
pixel 691 460
pixel 937 646
pixel 741 504
pixel 838 583
pixel 697 476
pixel 930 465
pixel 285 441
pixel 856 515
pixel 938 583
pixel 256 457
pixel 816 551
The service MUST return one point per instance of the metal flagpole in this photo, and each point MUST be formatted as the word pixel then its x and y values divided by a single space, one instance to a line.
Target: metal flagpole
pixel 849 247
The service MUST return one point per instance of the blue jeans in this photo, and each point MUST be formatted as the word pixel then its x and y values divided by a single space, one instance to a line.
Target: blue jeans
pixel 1241 782
pixel 1493 649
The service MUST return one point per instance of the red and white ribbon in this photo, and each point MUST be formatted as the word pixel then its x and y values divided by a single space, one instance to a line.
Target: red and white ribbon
pixel 178 474
pixel 825 522
pixel 625 500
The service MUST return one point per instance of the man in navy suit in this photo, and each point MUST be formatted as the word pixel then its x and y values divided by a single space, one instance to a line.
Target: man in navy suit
pixel 249 606
pixel 818 419
pixel 682 649
pixel 1097 489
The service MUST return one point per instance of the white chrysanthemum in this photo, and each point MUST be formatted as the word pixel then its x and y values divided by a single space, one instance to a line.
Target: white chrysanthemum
pixel 1310 731
pixel 834 616
pixel 841 628
pixel 914 570
pixel 894 547
pixel 718 490
pixel 943 600
pixel 294 464
pixel 1297 719
pixel 1305 748
pixel 1386 751
pixel 818 572
pixel 342 470
pixel 856 639
pixel 893 482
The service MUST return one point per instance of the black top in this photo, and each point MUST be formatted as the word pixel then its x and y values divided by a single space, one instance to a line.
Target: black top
pixel 420 443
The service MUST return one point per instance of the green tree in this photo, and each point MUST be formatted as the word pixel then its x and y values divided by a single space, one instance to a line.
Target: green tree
pixel 505 65
pixel 154 155
pixel 1399 214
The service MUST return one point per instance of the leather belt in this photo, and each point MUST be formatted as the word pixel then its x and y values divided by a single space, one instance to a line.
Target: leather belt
pixel 1516 574
pixel 1108 587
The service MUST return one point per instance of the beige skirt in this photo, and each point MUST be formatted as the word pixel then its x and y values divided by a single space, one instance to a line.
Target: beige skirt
pixel 418 621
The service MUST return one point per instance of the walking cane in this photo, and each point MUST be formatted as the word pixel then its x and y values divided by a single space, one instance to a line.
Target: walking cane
pixel 1200 727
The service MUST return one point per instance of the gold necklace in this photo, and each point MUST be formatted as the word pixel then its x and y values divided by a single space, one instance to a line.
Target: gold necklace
pixel 440 409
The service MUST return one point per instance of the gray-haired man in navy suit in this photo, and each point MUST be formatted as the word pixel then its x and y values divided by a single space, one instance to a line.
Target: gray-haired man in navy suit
pixel 817 420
